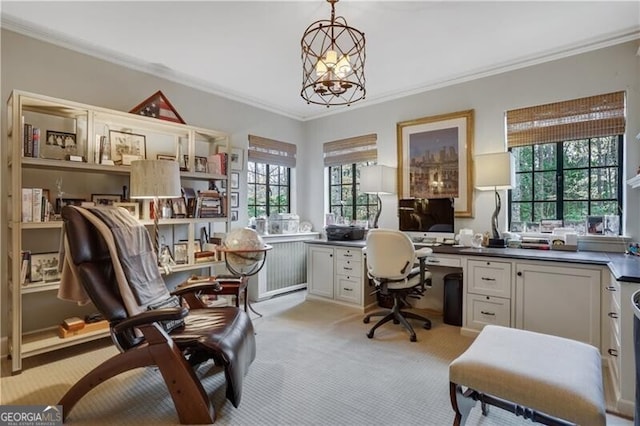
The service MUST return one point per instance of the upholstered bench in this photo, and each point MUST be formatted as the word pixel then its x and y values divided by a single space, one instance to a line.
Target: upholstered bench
pixel 547 379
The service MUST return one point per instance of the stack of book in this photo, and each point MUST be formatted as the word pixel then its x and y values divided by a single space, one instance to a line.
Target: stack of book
pixel 35 205
pixel 209 203
pixel 31 141
pixel 535 243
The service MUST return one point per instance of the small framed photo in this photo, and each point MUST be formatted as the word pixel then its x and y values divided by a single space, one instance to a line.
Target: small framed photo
pixel 179 207
pixel 60 203
pixel 235 180
pixel 595 225
pixel 106 199
pixel 236 159
pixel 180 253
pixel 132 208
pixel 44 267
pixel 532 226
pixel 59 145
pixel 234 215
pixel 517 227
pixel 166 157
pixel 166 258
pixel 235 200
pixel 199 163
pixel 548 225
pixel 127 147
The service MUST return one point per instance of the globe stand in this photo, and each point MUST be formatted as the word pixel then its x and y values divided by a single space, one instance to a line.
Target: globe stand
pixel 245 271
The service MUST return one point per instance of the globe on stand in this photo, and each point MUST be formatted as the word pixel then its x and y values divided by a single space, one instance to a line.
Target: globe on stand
pixel 245 254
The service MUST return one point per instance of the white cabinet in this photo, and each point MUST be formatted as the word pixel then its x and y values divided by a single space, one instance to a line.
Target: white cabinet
pixel 320 273
pixel 488 293
pixel 82 172
pixel 337 273
pixel 562 300
pixel 619 348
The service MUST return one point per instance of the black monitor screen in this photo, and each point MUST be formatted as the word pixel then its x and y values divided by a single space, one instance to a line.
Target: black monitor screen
pixel 426 215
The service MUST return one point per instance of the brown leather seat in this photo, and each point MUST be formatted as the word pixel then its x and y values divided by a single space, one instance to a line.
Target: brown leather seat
pixel 223 334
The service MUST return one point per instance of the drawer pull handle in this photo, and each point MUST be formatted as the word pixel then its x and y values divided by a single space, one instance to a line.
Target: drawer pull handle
pixel 348 255
pixel 613 352
pixel 433 260
pixel 611 288
pixel 613 315
pixel 347 289
pixel 487 279
pixel 488 313
pixel 347 269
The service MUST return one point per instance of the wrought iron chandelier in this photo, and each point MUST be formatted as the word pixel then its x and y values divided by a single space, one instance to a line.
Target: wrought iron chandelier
pixel 332 62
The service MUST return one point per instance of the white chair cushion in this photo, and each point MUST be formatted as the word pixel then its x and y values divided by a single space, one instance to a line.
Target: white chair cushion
pixel 553 375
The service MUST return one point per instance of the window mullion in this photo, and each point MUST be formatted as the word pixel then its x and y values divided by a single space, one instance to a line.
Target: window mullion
pixel 560 179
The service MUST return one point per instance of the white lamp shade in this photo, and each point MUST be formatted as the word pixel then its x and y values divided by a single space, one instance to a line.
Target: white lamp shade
pixel 495 171
pixel 155 179
pixel 378 180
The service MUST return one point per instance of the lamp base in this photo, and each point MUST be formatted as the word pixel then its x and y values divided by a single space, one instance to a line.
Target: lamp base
pixel 497 243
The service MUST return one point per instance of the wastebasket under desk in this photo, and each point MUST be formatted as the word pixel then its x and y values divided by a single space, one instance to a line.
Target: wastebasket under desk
pixel 452 301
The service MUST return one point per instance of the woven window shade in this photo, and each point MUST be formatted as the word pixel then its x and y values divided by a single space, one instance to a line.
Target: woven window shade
pixel 351 150
pixel 595 116
pixel 269 151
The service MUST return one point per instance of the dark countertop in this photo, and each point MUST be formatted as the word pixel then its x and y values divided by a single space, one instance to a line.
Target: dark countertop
pixel 624 267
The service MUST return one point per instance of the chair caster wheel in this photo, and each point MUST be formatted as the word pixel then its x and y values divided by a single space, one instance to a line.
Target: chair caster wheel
pixel 370 335
pixel 366 320
pixel 427 326
pixel 413 338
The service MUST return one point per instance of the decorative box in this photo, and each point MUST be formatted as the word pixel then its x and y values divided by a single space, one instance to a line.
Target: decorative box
pixel 283 223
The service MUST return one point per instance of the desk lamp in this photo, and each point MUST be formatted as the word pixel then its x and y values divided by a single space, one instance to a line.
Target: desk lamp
pixel 378 180
pixel 155 179
pixel 493 172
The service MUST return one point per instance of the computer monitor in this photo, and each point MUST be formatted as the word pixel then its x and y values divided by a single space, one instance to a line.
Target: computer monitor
pixel 429 219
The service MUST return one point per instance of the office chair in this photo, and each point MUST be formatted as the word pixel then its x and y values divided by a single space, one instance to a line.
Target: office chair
pixel 175 339
pixel 391 260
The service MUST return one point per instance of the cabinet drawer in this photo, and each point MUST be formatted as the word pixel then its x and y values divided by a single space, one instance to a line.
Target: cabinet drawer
pixel 349 289
pixel 349 267
pixel 349 254
pixel 438 260
pixel 483 310
pixel 489 278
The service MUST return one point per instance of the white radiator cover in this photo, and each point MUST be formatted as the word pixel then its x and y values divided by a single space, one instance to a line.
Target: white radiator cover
pixel 285 268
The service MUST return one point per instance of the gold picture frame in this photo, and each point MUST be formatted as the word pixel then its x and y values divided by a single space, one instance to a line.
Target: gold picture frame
pixel 435 159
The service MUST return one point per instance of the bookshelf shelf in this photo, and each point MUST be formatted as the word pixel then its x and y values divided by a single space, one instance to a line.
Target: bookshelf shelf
pixel 37 163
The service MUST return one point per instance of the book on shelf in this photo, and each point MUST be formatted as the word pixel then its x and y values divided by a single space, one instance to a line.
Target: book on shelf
pixel 36 206
pixel 31 141
pixel 217 163
pixel 25 267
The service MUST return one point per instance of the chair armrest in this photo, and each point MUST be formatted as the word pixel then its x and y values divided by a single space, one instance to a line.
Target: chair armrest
pixel 148 317
pixel 186 288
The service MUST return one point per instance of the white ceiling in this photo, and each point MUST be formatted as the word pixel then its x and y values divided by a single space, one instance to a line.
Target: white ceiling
pixel 250 50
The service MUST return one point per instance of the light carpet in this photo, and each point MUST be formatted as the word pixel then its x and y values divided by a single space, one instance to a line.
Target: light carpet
pixel 314 366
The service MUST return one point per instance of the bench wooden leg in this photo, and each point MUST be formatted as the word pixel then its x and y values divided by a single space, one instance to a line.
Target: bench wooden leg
pixel 462 403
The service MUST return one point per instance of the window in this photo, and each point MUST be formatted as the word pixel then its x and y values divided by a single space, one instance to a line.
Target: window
pixel 344 158
pixel 269 176
pixel 568 159
pixel 345 199
pixel 269 189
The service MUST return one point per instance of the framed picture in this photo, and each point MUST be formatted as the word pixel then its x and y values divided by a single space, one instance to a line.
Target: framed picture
pixel 595 225
pixel 548 225
pixel 44 267
pixel 180 253
pixel 532 227
pixel 236 159
pixel 235 200
pixel 179 207
pixel 235 180
pixel 166 157
pixel 199 163
pixel 434 159
pixel 60 203
pixel 234 215
pixel 165 258
pixel 58 145
pixel 127 147
pixel 132 208
pixel 106 199
pixel 517 227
